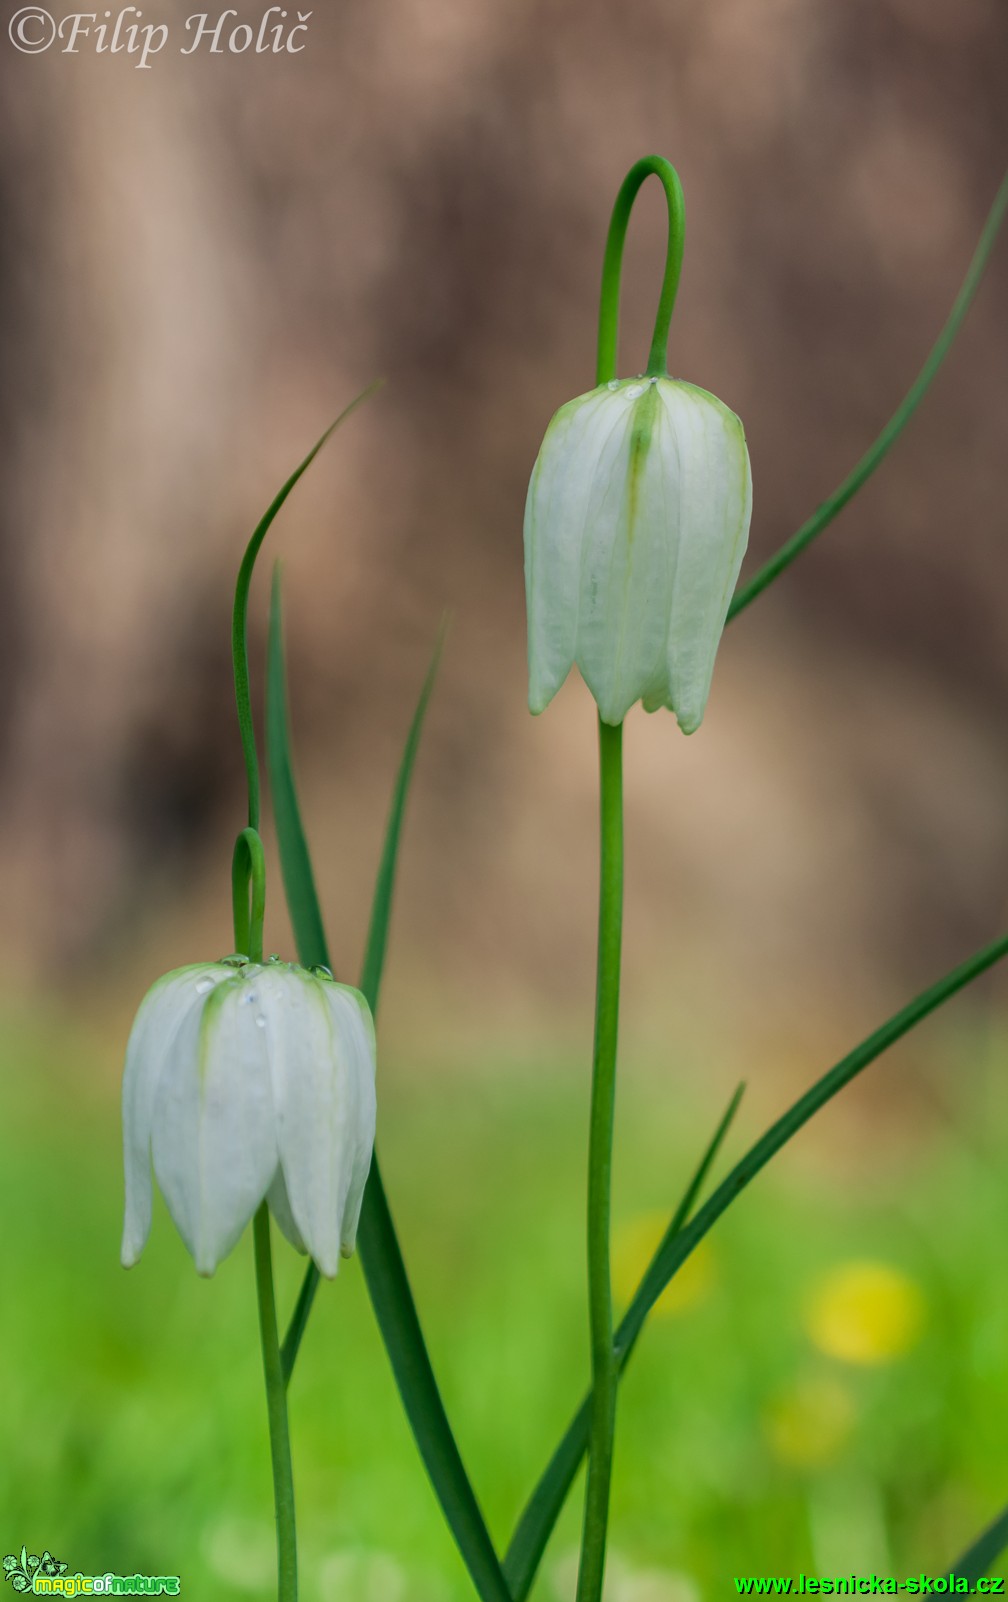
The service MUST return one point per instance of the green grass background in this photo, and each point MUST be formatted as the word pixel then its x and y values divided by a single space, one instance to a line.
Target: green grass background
pixel 133 1420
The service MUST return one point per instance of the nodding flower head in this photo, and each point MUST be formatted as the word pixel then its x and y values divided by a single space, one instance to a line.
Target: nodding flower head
pixel 635 527
pixel 246 1081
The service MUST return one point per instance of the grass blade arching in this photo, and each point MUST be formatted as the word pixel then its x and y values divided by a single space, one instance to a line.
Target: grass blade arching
pixel 880 447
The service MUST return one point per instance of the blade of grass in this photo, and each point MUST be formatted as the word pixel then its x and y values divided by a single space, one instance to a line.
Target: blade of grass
pixel 295 863
pixel 536 1523
pixel 876 452
pixel 239 617
pixel 977 1561
pixel 299 883
pixel 381 906
pixel 381 1257
pixel 543 1508
pixel 395 1310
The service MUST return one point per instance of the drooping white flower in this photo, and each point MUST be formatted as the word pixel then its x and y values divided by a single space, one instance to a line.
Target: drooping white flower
pixel 244 1081
pixel 636 523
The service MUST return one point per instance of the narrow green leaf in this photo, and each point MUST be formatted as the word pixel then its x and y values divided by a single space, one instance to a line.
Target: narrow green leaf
pixel 541 1513
pixel 670 1257
pixel 239 616
pixel 876 452
pixel 291 1343
pixel 544 1505
pixel 381 906
pixel 984 1552
pixel 625 1338
pixel 397 1318
pixel 295 864
pixel 381 1257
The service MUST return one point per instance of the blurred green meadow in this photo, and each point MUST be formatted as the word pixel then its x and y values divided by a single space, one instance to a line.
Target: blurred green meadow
pixel 825 1387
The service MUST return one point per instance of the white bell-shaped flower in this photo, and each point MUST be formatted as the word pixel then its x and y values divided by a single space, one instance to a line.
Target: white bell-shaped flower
pixel 635 527
pixel 246 1081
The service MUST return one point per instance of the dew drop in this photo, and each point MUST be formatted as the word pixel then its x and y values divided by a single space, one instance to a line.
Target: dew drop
pixel 321 971
pixel 274 958
pixel 613 383
pixel 249 997
pixel 634 391
pixel 203 985
pixel 233 960
pixel 260 1021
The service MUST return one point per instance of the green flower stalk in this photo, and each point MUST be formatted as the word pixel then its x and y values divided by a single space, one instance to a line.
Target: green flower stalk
pixel 636 524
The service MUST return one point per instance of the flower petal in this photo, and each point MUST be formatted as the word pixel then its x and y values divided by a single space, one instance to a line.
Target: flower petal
pixel 215 1150
pixel 323 1067
pixel 557 511
pixel 715 506
pixel 629 556
pixel 360 1030
pixel 159 1018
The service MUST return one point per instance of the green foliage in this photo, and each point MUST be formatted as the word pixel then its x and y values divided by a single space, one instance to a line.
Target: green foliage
pixel 123 1462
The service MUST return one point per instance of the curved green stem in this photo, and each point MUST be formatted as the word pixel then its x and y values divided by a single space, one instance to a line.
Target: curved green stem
pixel 248 871
pixel 612 266
pixel 276 1405
pixel 600 1142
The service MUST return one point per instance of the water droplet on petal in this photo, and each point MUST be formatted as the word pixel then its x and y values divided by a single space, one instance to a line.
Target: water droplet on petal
pixel 249 997
pixel 613 383
pixel 321 971
pixel 234 960
pixel 203 985
pixel 260 1021
pixel 634 391
pixel 274 957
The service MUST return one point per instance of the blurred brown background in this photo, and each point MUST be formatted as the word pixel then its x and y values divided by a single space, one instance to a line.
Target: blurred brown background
pixel 203 262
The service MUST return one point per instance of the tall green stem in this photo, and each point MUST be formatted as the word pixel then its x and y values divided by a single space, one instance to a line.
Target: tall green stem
pixel 248 885
pixel 276 1406
pixel 600 1143
pixel 612 266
